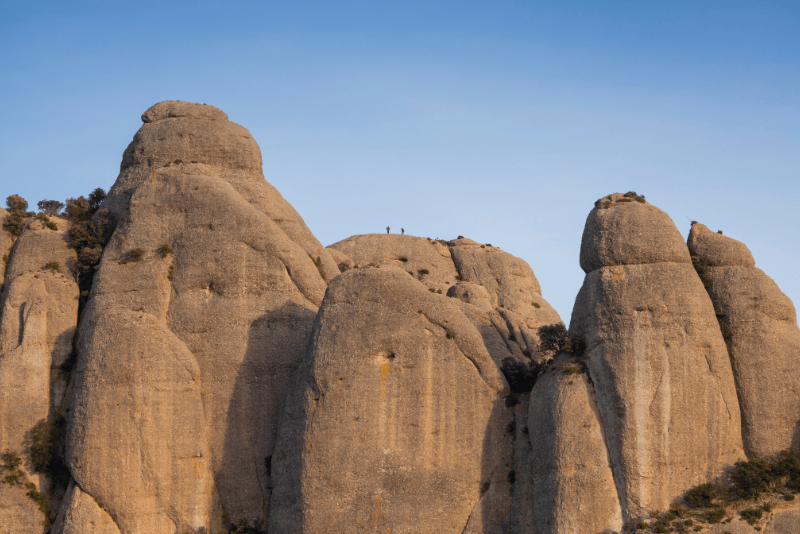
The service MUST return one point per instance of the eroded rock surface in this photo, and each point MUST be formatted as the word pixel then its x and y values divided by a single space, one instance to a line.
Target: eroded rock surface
pixel 80 514
pixel 39 313
pixel 574 490
pixel 661 371
pixel 760 325
pixel 203 303
pixel 397 419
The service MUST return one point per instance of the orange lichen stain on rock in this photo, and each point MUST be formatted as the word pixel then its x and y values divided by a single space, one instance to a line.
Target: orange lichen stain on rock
pixel 197 463
pixel 377 513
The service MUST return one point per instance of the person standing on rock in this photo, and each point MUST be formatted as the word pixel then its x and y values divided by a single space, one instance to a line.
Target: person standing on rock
pixel 387 229
pixel 402 231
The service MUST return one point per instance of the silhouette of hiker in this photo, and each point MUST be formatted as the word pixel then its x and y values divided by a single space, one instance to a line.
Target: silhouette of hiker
pixel 402 231
pixel 387 229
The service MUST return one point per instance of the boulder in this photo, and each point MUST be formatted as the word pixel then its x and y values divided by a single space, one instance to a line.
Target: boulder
pixel 664 385
pixel 760 326
pixel 201 307
pixel 80 514
pixel 396 419
pixel 574 490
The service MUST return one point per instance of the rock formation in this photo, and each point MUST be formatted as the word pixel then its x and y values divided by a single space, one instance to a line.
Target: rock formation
pixel 227 368
pixel 505 297
pixel 572 480
pixel 660 369
pixel 80 514
pixel 202 304
pixel 501 296
pixel 397 420
pixel 39 312
pixel 760 325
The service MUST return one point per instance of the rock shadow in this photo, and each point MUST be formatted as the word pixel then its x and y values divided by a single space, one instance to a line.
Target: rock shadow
pixel 276 342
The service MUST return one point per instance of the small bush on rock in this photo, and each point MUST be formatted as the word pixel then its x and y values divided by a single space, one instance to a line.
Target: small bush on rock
pixel 521 377
pixel 50 207
pixel 715 516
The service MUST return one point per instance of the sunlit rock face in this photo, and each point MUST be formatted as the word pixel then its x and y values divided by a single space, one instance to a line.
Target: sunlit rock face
pixel 760 326
pixel 202 304
pixel 397 419
pixel 661 372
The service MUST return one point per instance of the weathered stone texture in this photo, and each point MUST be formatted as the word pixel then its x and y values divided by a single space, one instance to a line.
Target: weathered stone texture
pixel 574 489
pixel 661 372
pixel 186 351
pixel 38 316
pixel 396 421
pixel 760 325
pixel 80 514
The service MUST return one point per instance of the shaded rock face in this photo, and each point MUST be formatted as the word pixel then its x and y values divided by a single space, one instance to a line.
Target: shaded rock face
pixel 203 302
pixel 396 421
pixel 760 325
pixel 573 484
pixel 664 384
pixel 38 316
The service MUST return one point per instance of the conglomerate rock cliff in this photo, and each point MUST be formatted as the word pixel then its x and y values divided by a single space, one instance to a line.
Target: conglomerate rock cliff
pixel 38 316
pixel 199 311
pixel 219 370
pixel 760 325
pixel 661 373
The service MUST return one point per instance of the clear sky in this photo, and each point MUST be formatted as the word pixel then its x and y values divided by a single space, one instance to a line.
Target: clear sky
pixel 497 120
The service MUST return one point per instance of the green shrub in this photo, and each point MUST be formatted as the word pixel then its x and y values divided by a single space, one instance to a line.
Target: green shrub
pixel 91 230
pixel 715 516
pixel 40 498
pixel 5 259
pixel 166 250
pixel 552 337
pixel 136 254
pixel 641 525
pixel 521 377
pixel 50 207
pixel 678 510
pixel 751 515
pixel 788 497
pixel 450 334
pixel 536 305
pixel 752 477
pixel 42 446
pixel 702 496
pixel 688 522
pixel 343 267
pixel 15 220
pixel 16 203
pixel 53 266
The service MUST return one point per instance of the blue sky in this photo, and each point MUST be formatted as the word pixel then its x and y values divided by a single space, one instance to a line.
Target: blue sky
pixel 500 121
